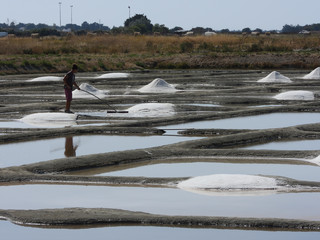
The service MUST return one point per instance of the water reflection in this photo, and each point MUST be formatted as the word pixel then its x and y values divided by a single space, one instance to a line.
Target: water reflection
pixel 263 121
pixel 170 201
pixel 70 150
pixel 303 145
pixel 194 169
pixel 15 154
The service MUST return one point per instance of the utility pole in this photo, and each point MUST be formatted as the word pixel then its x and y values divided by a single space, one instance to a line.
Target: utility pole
pixel 71 13
pixel 60 12
pixel 129 11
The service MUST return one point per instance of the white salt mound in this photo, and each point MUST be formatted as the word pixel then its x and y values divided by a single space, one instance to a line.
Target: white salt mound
pixel 114 75
pixel 88 88
pixel 151 110
pixel 46 78
pixel 316 160
pixel 275 77
pixel 315 74
pixel 158 86
pixel 229 182
pixel 295 95
pixel 50 119
pixel 40 117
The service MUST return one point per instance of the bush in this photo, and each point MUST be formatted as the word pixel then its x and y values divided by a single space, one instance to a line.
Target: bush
pixel 186 46
pixel 255 48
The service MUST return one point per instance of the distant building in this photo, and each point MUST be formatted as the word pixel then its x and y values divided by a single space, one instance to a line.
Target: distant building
pixel 181 32
pixel 66 30
pixel 190 33
pixel 305 32
pixel 210 33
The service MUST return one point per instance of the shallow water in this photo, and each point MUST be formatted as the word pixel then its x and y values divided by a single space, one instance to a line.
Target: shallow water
pixel 290 145
pixel 20 124
pixel 14 232
pixel 264 121
pixel 14 124
pixel 299 172
pixel 161 201
pixel 16 154
pixel 261 106
pixel 204 104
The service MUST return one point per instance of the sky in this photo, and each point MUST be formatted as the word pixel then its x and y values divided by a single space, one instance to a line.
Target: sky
pixel 216 14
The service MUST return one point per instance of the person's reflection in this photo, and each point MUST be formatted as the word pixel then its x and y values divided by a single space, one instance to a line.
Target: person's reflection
pixel 70 150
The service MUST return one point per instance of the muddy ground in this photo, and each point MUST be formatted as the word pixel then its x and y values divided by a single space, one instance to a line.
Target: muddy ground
pixel 203 95
pixel 40 63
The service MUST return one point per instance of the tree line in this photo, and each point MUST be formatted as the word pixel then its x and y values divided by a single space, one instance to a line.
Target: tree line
pixel 296 29
pixel 23 29
pixel 138 23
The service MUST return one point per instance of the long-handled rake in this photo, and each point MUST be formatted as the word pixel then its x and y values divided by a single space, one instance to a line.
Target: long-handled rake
pixel 108 111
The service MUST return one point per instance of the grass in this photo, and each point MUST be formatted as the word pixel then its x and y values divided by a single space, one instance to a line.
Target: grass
pixel 109 52
pixel 108 44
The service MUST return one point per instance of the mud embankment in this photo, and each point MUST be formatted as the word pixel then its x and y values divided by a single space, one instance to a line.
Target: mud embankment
pixel 258 60
pixel 86 218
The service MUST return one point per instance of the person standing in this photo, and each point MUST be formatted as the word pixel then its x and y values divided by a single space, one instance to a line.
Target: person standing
pixel 69 81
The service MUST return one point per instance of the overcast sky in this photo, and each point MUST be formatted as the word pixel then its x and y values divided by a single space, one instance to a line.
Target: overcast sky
pixel 217 14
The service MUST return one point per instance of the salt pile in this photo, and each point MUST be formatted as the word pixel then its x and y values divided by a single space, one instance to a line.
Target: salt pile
pixel 230 185
pixel 275 77
pixel 229 182
pixel 88 88
pixel 44 79
pixel 315 160
pixel 158 86
pixel 50 119
pixel 295 95
pixel 151 110
pixel 114 75
pixel 315 74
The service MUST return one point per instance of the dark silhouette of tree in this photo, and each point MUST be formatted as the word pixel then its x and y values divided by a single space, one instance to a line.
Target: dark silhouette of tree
pixel 246 30
pixel 258 30
pixel 139 23
pixel 291 29
pixel 173 30
pixel 225 30
pixel 198 30
pixel 160 28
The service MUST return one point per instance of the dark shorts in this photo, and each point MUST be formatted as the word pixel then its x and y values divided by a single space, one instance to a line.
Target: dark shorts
pixel 68 93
